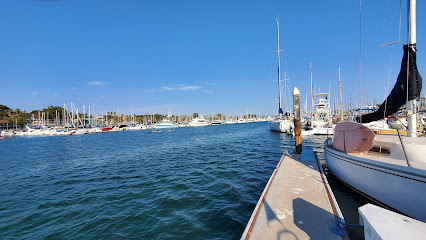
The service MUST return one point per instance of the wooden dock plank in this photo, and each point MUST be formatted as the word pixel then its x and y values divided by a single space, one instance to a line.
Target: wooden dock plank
pixel 294 204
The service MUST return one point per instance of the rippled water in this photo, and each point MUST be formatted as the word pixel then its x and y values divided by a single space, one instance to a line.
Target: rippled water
pixel 191 183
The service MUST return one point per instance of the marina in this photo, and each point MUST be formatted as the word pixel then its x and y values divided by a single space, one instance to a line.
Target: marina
pixel 204 142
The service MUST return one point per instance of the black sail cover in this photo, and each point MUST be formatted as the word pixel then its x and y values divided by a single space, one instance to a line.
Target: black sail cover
pixel 398 95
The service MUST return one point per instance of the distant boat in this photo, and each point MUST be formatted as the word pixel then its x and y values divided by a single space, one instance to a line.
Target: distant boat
pixel 321 120
pixel 106 129
pixel 136 127
pixel 198 122
pixel 241 120
pixel 230 121
pixel 81 131
pixel 165 124
pixel 280 125
pixel 217 122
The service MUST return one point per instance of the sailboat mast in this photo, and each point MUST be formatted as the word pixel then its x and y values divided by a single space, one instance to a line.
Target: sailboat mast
pixel 341 101
pixel 411 105
pixel 285 90
pixel 280 110
pixel 312 92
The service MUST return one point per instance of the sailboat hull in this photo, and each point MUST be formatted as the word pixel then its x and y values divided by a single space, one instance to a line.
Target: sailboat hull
pixel 397 187
pixel 281 126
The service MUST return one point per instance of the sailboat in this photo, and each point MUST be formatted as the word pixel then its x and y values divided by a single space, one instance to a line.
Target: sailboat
pixel 390 169
pixel 281 124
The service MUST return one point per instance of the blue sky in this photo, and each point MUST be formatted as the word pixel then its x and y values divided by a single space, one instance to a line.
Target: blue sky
pixel 196 56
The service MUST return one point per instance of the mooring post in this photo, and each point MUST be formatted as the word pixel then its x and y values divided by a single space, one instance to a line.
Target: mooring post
pixel 297 125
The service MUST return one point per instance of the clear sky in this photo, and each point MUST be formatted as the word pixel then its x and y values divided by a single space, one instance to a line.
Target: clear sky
pixel 196 56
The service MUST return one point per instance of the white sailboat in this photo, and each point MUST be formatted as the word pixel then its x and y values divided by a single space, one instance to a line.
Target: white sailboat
pixel 280 125
pixel 389 169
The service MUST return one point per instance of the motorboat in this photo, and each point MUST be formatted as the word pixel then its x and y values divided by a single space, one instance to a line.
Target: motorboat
pixel 217 122
pixel 198 122
pixel 165 124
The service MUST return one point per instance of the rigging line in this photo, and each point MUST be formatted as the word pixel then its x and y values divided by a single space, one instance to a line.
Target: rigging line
pixel 353 78
pixel 400 9
pixel 408 72
pixel 391 54
pixel 360 55
pixel 386 14
pixel 403 149
pixel 408 54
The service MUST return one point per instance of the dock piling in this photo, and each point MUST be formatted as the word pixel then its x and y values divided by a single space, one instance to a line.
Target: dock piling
pixel 297 124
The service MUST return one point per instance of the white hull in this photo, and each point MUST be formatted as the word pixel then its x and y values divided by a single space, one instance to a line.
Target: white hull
pixel 281 126
pixel 317 131
pixel 164 126
pixel 398 125
pixel 377 125
pixel 396 186
pixel 323 131
pixel 198 124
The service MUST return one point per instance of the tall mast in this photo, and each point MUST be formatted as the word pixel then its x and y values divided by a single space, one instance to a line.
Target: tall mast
pixel 411 105
pixel 341 101
pixel 312 93
pixel 280 110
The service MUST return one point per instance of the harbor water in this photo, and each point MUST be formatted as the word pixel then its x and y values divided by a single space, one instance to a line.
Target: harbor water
pixel 190 183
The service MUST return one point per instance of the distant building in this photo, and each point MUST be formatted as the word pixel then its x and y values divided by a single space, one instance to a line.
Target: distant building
pixel 4 124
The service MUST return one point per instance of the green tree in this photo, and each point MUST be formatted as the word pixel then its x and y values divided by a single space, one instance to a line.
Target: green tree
pixel 195 115
pixel 52 110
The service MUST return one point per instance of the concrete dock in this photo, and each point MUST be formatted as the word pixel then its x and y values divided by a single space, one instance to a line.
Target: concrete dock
pixel 296 203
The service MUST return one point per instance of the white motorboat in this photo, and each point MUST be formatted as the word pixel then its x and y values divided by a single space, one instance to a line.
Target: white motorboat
pixel 136 127
pixel 198 122
pixel 165 124
pixel 230 121
pixel 241 120
pixel 81 131
pixel 317 131
pixel 320 122
pixel 217 122
pixel 389 169
pixel 7 133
